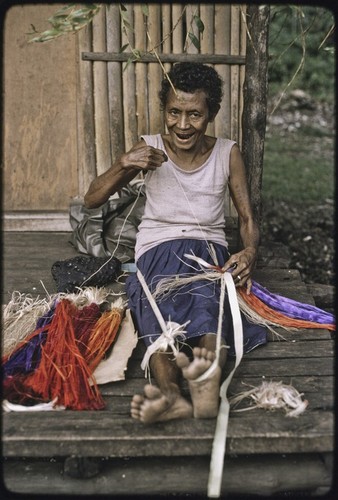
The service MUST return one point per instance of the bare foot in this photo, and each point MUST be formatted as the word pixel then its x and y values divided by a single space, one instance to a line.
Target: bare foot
pixel 154 406
pixel 205 393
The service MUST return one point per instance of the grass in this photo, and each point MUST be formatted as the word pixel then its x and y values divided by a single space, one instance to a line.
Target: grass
pixel 299 166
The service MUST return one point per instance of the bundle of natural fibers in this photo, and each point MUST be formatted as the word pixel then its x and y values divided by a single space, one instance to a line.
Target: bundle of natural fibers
pixel 19 318
pixel 70 345
pixel 271 396
pixel 25 357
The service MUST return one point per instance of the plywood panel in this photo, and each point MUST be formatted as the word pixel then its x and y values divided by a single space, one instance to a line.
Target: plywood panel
pixel 40 141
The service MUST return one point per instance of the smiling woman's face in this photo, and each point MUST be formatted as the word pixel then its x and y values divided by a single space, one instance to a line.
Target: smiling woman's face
pixel 187 117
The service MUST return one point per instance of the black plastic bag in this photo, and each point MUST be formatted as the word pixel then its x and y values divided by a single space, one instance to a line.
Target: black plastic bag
pixel 83 270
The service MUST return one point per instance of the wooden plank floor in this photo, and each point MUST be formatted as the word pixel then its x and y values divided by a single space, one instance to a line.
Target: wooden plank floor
pixel 273 452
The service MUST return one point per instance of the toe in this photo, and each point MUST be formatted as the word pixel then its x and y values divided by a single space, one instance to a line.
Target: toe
pixel 152 392
pixel 137 400
pixel 210 355
pixel 182 360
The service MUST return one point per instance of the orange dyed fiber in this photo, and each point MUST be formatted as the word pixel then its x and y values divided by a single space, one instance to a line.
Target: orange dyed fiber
pixel 271 315
pixel 63 372
pixel 102 336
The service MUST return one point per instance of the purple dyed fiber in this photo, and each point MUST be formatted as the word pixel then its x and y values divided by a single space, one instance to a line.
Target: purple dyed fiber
pixel 28 356
pixel 292 308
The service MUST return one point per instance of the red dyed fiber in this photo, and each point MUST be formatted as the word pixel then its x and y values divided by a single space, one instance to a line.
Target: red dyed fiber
pixel 63 372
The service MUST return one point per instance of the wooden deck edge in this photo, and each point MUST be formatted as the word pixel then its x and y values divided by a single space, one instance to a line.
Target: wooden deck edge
pixel 264 475
pixel 26 221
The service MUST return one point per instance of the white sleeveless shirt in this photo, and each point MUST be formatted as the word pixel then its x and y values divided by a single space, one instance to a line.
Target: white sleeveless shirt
pixel 185 204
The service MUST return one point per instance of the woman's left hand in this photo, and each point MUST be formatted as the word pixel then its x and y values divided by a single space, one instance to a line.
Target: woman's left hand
pixel 242 263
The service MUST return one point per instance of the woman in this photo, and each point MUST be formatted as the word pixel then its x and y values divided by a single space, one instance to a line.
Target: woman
pixel 187 174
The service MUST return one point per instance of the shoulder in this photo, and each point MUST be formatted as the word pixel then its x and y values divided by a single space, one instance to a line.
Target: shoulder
pixel 151 140
pixel 226 143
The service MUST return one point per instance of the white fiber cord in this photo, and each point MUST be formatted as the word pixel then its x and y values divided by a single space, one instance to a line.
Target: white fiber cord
pixel 218 447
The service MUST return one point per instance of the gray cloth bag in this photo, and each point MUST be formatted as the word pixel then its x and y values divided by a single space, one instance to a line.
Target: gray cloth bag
pixel 110 228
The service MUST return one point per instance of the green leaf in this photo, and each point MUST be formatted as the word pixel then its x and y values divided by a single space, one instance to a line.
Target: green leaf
pixel 137 54
pixel 145 9
pixel 65 8
pixel 80 13
pixel 125 20
pixel 199 23
pixel 92 6
pixel 47 35
pixel 194 40
pixel 57 17
pixel 122 49
pixel 80 20
pixel 130 60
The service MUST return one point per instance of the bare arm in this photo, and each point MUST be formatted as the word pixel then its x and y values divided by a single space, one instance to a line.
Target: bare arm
pixel 244 261
pixel 140 158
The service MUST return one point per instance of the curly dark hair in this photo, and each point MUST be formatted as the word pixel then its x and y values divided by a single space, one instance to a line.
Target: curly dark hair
pixel 190 77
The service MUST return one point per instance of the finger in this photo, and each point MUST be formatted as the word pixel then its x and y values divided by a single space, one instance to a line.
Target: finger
pixel 230 265
pixel 248 286
pixel 161 153
pixel 238 279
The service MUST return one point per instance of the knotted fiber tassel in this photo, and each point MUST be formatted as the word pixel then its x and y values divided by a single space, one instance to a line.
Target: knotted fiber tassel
pixel 274 395
pixel 103 335
pixel 63 372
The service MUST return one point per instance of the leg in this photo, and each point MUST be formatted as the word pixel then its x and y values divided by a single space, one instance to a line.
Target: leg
pixel 165 401
pixel 205 393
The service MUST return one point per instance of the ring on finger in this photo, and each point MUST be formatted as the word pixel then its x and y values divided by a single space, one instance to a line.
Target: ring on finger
pixel 238 277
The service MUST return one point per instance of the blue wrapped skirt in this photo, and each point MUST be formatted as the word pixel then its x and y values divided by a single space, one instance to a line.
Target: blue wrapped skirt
pixel 197 301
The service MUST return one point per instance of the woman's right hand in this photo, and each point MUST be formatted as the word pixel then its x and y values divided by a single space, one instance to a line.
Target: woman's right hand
pixel 143 157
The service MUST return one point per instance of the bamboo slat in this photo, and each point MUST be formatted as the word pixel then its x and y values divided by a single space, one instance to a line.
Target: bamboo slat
pixel 167 58
pixel 102 134
pixel 155 73
pixel 114 71
pixel 85 115
pixel 207 42
pixel 234 71
pixel 222 45
pixel 129 87
pixel 166 30
pixel 192 10
pixel 142 97
pixel 242 68
pixel 207 13
pixel 177 37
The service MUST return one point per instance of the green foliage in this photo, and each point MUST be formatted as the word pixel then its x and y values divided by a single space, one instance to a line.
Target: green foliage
pixel 302 36
pixel 69 19
pixel 299 167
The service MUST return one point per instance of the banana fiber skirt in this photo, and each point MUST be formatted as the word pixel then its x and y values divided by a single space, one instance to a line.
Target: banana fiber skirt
pixel 197 301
